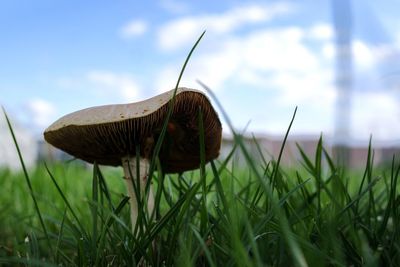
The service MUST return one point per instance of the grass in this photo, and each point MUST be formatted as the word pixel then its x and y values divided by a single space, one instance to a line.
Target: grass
pixel 258 214
pixel 224 214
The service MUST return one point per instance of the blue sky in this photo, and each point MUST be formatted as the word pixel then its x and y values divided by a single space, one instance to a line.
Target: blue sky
pixel 261 58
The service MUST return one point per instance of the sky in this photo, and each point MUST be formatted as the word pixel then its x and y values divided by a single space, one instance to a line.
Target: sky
pixel 262 59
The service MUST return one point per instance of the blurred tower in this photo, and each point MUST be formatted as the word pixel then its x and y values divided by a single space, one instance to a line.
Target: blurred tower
pixel 342 22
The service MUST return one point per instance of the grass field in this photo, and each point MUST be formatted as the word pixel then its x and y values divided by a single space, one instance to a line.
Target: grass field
pixel 224 214
pixel 259 214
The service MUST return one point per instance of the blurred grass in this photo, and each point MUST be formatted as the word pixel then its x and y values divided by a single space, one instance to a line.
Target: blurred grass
pixel 221 216
pixel 17 216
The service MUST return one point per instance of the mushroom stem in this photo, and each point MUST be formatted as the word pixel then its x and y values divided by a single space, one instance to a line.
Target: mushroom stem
pixel 130 167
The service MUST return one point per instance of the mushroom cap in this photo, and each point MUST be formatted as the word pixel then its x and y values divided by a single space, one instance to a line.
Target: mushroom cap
pixel 106 134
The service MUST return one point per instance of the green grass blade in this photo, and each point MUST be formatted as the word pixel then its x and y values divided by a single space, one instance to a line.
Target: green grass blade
pixel 59 237
pixel 184 204
pixel 160 140
pixel 82 229
pixel 359 196
pixel 104 187
pixel 296 253
pixel 17 261
pixel 278 162
pixel 33 246
pixel 317 174
pixel 392 198
pixel 307 163
pixel 220 190
pixel 95 207
pixel 204 213
pixel 28 182
pixel 204 247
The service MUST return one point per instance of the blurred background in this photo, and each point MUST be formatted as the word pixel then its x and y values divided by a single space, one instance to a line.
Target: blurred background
pixel 337 61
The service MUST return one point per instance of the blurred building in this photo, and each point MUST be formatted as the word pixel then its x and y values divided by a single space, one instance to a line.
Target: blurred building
pixel 49 153
pixel 26 141
pixel 268 148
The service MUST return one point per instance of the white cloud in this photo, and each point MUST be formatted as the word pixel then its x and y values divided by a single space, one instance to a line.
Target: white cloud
pixel 322 31
pixel 183 31
pixel 306 89
pixel 328 50
pixel 122 85
pixel 365 55
pixel 175 7
pixel 396 38
pixel 377 113
pixel 277 50
pixel 253 58
pixel 277 60
pixel 133 29
pixel 41 112
pixel 213 67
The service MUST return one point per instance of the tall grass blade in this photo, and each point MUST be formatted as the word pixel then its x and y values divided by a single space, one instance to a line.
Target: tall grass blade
pixel 390 207
pixel 203 246
pixel 104 187
pixel 359 196
pixel 160 140
pixel 95 207
pixel 278 162
pixel 28 182
pixel 204 213
pixel 296 252
pixel 59 237
pixel 184 204
pixel 81 228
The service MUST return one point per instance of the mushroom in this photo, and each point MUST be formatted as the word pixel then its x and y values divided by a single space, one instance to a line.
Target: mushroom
pixel 111 134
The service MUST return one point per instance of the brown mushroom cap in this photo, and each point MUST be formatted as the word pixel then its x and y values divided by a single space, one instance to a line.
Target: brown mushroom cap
pixel 105 134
